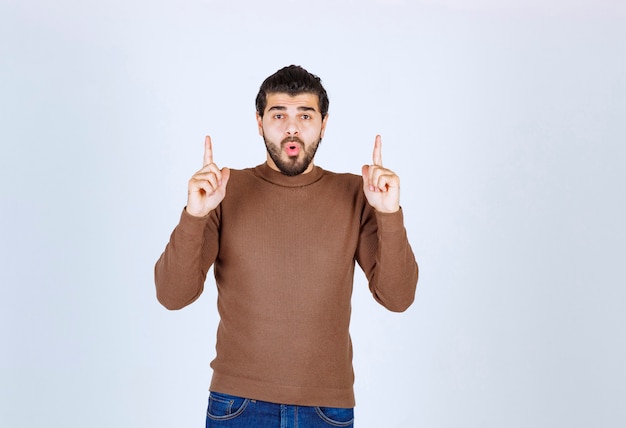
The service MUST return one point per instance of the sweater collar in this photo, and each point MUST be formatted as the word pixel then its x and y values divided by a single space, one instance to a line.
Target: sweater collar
pixel 265 172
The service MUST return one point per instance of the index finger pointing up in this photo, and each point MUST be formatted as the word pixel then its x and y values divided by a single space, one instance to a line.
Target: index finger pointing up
pixel 208 151
pixel 378 155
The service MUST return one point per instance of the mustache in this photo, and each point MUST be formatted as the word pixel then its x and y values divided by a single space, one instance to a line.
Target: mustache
pixel 291 140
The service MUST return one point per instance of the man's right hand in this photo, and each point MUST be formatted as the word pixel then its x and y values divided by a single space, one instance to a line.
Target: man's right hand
pixel 207 187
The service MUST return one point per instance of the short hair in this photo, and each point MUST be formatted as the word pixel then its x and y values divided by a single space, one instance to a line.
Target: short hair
pixel 292 80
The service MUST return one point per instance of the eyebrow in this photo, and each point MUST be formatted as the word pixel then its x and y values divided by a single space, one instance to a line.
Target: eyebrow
pixel 283 108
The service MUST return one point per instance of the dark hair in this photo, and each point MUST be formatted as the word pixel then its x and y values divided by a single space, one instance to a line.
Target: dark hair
pixel 292 80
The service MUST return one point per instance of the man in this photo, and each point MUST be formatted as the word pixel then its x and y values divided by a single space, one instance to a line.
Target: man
pixel 283 238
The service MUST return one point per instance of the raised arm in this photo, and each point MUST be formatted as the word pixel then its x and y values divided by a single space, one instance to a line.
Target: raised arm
pixel 180 272
pixel 384 250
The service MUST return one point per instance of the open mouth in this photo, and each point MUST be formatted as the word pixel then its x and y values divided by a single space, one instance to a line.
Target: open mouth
pixel 292 148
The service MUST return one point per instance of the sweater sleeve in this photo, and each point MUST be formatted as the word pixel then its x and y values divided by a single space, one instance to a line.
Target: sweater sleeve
pixel 387 259
pixel 180 272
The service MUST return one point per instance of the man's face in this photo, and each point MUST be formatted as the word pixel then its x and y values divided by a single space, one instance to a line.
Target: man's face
pixel 292 128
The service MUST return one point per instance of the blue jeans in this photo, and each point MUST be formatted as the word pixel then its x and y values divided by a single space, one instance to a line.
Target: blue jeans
pixel 228 411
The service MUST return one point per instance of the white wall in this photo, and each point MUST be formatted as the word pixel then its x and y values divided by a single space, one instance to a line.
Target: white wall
pixel 504 119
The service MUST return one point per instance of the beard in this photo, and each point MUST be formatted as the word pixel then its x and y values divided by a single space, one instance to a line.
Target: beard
pixel 293 165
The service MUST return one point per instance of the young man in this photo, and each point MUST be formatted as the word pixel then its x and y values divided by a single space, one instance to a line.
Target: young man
pixel 283 238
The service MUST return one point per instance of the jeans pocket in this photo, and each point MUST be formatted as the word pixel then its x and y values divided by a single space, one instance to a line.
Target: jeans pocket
pixel 335 416
pixel 225 406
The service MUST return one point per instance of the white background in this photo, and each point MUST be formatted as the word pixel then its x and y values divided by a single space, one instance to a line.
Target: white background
pixel 506 121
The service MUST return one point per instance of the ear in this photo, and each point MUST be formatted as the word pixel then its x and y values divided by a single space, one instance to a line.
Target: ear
pixel 324 125
pixel 259 122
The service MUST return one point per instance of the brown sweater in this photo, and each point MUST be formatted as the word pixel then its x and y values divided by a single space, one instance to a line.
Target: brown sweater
pixel 284 252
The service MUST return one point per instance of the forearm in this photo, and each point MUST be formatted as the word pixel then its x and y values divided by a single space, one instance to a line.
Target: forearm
pixel 393 277
pixel 180 272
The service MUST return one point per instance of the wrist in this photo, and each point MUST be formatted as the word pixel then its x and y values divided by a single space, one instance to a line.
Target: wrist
pixel 195 213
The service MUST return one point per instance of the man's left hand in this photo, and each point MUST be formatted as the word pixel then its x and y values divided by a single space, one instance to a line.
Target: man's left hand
pixel 381 185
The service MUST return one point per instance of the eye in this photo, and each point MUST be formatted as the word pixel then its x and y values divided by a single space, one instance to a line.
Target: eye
pixel 278 116
pixel 306 117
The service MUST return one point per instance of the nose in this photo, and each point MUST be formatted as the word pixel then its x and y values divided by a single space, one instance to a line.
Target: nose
pixel 291 128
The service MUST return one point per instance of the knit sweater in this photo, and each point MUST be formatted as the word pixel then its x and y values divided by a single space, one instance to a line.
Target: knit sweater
pixel 283 251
